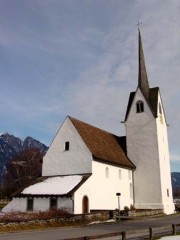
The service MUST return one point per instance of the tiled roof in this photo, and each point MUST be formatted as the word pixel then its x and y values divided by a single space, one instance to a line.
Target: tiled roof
pixel 103 145
pixel 152 101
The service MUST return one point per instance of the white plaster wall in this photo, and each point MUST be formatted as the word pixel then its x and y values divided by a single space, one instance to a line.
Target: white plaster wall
pixel 165 174
pixel 101 191
pixel 147 147
pixel 43 204
pixel 66 203
pixel 16 205
pixel 142 149
pixel 77 160
pixel 39 204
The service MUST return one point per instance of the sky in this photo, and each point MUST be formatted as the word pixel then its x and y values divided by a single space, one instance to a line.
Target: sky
pixel 80 58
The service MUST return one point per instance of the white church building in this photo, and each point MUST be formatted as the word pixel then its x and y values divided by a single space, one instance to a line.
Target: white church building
pixel 86 167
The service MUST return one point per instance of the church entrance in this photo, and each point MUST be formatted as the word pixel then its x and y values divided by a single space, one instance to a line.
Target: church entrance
pixel 85 205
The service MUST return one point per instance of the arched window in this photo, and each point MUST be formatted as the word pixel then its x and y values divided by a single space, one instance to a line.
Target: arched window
pixel 107 172
pixel 85 205
pixel 120 174
pixel 139 106
pixel 131 190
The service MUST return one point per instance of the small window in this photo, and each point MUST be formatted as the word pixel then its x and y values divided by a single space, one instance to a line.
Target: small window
pixel 129 175
pixel 167 192
pixel 53 203
pixel 66 147
pixel 30 204
pixel 160 109
pixel 139 106
pixel 107 172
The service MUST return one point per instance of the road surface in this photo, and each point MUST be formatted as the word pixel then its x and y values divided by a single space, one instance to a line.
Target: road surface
pixel 133 229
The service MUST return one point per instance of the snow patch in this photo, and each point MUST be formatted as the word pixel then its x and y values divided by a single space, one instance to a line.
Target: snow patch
pixel 54 186
pixel 170 238
pixel 97 222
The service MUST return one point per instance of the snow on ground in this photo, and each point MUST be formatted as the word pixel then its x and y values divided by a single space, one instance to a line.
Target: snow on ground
pixel 107 221
pixel 54 185
pixel 170 238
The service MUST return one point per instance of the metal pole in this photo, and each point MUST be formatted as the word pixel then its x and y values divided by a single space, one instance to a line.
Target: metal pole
pixel 119 203
pixel 150 233
pixel 119 206
pixel 174 229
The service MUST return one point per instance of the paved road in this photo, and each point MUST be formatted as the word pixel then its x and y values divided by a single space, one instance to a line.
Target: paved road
pixel 132 228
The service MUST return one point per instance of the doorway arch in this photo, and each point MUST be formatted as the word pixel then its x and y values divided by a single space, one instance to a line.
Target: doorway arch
pixel 85 205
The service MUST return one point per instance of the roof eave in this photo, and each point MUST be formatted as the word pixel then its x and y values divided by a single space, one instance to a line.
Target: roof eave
pixel 110 162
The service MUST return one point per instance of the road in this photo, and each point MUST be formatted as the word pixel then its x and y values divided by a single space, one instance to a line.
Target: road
pixel 132 227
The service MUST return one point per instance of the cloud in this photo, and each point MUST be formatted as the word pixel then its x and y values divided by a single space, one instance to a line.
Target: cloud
pixel 80 58
pixel 175 157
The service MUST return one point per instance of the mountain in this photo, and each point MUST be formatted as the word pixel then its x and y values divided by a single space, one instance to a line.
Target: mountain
pixel 10 146
pixel 175 177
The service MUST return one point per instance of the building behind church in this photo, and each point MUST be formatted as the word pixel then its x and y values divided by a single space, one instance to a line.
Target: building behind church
pixel 86 167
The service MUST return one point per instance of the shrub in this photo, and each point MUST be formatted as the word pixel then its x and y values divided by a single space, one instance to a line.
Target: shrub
pixel 30 216
pixel 126 209
pixel 132 207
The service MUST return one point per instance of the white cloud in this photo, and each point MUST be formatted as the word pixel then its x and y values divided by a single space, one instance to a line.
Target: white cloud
pixel 80 58
pixel 175 157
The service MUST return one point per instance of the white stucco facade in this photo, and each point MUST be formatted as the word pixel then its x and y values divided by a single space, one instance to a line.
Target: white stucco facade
pixel 58 161
pixel 164 161
pixel 102 186
pixel 147 147
pixel 19 204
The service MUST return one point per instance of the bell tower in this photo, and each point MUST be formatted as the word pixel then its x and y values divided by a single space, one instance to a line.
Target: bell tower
pixel 147 144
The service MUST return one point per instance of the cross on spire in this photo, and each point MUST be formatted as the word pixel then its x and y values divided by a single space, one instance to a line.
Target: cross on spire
pixel 138 24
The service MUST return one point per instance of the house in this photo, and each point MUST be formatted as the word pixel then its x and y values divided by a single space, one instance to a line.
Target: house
pixel 86 167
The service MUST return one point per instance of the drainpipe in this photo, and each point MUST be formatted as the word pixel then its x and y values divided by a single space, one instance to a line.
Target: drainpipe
pixel 72 199
pixel 133 188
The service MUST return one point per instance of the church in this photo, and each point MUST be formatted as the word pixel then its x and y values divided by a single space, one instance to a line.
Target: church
pixel 86 168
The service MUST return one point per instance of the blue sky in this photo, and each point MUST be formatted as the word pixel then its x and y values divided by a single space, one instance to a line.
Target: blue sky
pixel 79 58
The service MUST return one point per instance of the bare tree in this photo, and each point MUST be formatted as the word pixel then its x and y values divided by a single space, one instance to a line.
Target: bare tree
pixel 24 168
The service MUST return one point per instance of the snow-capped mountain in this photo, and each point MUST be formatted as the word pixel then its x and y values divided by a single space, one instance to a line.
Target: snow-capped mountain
pixel 10 146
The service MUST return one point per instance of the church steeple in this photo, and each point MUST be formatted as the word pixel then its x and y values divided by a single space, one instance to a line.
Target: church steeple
pixel 143 83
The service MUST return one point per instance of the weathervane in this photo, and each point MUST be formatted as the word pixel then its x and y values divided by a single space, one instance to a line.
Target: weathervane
pixel 138 24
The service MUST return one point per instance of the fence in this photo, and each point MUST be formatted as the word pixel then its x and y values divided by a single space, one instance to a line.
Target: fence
pixel 149 233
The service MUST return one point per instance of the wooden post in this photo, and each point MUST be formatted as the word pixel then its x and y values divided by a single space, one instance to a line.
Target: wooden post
pixel 123 235
pixel 150 233
pixel 174 229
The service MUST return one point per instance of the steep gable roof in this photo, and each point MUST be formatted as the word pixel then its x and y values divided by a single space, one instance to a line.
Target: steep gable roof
pixel 103 145
pixel 53 186
pixel 143 83
pixel 152 101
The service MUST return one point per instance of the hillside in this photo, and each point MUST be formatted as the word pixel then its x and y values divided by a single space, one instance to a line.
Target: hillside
pixel 11 146
pixel 175 176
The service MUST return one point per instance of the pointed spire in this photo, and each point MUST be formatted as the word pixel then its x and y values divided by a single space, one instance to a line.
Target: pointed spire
pixel 143 83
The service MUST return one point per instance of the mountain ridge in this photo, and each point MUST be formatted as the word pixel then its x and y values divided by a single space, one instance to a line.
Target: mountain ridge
pixel 11 145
